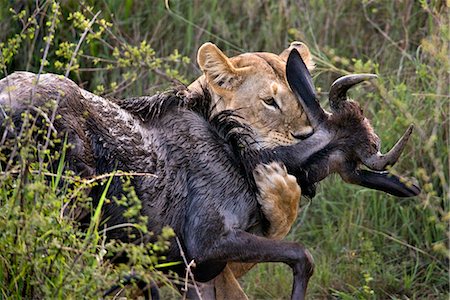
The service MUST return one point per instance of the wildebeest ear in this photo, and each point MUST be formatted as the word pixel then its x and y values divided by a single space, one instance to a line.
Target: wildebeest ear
pixel 301 83
pixel 304 53
pixel 220 73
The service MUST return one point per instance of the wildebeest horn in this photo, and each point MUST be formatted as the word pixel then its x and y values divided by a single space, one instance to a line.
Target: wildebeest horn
pixel 383 181
pixel 300 81
pixel 339 88
pixel 379 161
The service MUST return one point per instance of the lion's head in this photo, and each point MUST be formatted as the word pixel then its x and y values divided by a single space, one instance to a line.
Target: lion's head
pixel 254 84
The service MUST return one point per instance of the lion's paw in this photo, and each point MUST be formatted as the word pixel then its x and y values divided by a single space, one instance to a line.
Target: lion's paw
pixel 279 197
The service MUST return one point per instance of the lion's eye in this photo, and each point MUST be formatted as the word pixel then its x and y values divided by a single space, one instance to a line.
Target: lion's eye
pixel 271 102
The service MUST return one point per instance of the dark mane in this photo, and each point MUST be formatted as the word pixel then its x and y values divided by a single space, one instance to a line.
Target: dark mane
pixel 226 125
pixel 152 107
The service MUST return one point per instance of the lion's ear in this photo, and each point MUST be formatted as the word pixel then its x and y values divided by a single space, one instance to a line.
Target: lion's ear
pixel 304 53
pixel 220 73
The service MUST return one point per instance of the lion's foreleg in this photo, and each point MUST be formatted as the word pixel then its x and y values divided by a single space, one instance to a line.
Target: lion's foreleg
pixel 279 200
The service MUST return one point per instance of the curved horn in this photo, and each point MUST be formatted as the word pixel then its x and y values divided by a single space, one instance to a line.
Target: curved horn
pixel 339 88
pixel 384 181
pixel 301 84
pixel 380 162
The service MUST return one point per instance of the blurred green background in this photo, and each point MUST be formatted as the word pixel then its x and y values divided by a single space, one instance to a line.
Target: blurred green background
pixel 366 244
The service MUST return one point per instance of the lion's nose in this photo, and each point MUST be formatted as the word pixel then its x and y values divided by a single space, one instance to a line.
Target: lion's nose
pixel 302 134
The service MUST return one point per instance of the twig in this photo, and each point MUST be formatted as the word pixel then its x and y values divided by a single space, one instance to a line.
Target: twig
pixel 188 269
pixel 8 89
pixel 86 180
pixel 167 5
pixel 123 225
pixel 384 34
pixel 122 85
pixel 44 56
pixel 77 48
pixel 36 33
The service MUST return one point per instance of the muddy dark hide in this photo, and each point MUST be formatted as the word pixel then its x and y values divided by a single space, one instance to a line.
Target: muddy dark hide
pixel 203 185
pixel 71 128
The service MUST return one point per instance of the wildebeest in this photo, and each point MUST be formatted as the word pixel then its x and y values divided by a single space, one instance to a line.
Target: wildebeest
pixel 205 189
pixel 251 83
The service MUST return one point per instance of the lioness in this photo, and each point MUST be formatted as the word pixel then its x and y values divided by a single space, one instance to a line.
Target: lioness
pixel 254 85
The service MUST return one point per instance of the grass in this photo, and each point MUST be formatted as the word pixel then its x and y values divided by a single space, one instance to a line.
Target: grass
pixel 367 245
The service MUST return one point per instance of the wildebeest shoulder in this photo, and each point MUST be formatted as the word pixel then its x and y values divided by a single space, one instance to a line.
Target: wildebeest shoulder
pixel 202 164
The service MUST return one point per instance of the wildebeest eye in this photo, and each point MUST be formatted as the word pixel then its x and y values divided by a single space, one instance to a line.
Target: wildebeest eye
pixel 271 102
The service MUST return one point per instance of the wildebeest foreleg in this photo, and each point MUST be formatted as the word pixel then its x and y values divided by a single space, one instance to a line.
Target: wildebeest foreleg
pixel 241 246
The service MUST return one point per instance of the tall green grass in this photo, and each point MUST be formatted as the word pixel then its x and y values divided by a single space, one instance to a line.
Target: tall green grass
pixel 367 245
